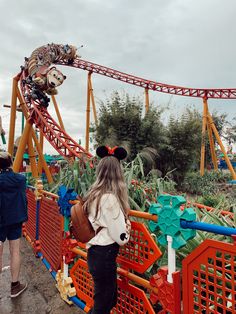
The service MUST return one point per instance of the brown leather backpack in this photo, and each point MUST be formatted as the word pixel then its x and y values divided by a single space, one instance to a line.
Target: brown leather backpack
pixel 81 227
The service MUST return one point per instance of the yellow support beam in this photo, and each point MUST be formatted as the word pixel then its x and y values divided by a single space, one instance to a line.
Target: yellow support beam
pixel 231 169
pixel 13 116
pixel 41 140
pixel 38 146
pixel 212 145
pixel 146 100
pixel 93 101
pixel 21 149
pixel 203 146
pixel 58 113
pixel 88 114
pixel 32 156
pixel 41 158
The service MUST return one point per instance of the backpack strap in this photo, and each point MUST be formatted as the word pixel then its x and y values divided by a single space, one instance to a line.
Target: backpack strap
pixel 98 230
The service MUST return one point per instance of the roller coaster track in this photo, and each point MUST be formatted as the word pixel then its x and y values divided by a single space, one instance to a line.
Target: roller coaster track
pixel 218 93
pixel 62 142
pixel 57 137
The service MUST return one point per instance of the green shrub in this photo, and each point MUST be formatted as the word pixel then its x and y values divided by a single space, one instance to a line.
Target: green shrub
pixel 194 183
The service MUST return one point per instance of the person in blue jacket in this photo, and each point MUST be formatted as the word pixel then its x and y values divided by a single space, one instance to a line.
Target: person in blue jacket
pixel 13 212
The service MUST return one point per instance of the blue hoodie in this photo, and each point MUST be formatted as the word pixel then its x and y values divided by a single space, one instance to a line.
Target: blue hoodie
pixel 13 201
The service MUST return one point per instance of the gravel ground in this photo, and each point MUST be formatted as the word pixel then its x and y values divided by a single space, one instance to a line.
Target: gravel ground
pixel 41 297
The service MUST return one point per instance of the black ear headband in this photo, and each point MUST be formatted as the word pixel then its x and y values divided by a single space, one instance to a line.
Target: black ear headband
pixel 119 152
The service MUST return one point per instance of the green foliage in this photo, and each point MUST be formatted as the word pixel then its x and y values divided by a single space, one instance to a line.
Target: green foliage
pixel 177 145
pixel 121 123
pixel 143 188
pixel 76 175
pixel 181 151
pixel 216 200
pixel 194 183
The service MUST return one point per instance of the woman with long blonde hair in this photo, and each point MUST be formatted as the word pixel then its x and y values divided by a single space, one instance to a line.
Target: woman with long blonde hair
pixel 106 204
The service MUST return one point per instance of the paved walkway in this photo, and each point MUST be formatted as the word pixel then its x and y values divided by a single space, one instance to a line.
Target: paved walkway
pixel 41 297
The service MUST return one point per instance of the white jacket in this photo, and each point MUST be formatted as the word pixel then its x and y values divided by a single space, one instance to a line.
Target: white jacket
pixel 112 219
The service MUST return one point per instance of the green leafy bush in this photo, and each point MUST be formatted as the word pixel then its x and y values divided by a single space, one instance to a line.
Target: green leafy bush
pixel 194 183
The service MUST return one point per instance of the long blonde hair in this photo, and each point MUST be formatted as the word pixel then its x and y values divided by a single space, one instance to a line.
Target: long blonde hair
pixel 110 179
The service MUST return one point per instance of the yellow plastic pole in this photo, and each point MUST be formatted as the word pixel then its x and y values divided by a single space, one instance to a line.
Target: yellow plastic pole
pixel 93 101
pixel 87 115
pixel 212 145
pixel 146 100
pixel 21 148
pixel 204 123
pixel 231 169
pixel 58 113
pixel 13 117
pixel 32 158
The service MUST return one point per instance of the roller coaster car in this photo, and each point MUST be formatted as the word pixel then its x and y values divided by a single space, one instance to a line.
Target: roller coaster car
pixel 39 95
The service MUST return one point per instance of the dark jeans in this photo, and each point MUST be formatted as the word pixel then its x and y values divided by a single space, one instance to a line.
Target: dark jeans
pixel 102 267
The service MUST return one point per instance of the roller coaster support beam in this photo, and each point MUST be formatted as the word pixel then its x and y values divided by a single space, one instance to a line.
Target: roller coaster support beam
pixel 146 100
pixel 58 113
pixel 22 123
pixel 203 146
pixel 41 157
pixel 212 143
pixel 13 115
pixel 231 169
pixel 38 146
pixel 92 98
pixel 32 158
pixel 41 139
pixel 21 148
pixel 88 114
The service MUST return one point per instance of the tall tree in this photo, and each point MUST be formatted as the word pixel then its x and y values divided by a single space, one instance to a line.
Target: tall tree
pixel 181 151
pixel 121 123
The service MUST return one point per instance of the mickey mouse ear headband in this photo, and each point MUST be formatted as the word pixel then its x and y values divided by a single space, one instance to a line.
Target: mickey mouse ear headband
pixel 119 152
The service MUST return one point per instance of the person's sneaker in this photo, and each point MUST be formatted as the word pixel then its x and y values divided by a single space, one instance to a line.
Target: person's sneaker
pixel 17 289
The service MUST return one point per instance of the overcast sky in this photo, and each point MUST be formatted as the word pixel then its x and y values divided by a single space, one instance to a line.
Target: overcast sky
pixel 181 42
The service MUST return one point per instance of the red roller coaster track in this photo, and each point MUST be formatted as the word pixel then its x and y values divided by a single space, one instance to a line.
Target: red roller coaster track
pixel 217 93
pixel 57 137
pixel 63 143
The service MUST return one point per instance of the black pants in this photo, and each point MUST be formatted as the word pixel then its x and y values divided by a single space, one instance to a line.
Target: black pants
pixel 102 267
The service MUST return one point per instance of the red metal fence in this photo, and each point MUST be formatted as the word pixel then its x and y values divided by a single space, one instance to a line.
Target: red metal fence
pixel 44 229
pixel 208 273
pixel 209 280
pixel 50 232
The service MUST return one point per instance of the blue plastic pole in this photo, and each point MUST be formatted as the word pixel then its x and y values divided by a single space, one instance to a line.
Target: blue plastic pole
pixel 48 266
pixel 74 299
pixel 207 227
pixel 77 302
